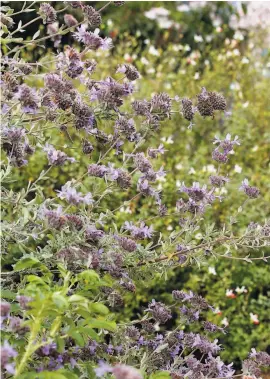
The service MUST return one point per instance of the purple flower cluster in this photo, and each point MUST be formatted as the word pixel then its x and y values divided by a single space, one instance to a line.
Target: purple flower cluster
pixel 71 195
pixel 225 147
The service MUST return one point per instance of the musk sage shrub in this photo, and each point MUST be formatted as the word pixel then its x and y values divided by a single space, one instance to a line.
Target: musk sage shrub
pixel 75 263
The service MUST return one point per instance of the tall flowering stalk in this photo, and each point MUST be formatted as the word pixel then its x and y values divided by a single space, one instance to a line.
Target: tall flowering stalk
pixel 78 262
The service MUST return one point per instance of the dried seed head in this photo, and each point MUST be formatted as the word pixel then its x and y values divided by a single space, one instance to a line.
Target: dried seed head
pixel 141 107
pixel 87 147
pixel 119 3
pixel 218 181
pixel 187 109
pixel 92 15
pixel 127 244
pixel 47 13
pixel 96 170
pixel 161 103
pixel 115 300
pixel 133 332
pixel 218 101
pixel 204 105
pixel 123 179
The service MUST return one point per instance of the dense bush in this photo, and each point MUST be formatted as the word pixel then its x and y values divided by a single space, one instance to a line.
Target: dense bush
pixel 93 227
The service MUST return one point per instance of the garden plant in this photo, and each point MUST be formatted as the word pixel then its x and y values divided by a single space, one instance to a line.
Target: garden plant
pixel 95 216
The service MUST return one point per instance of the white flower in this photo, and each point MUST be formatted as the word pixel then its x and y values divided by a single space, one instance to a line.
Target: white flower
pixel 217 311
pixel 192 171
pixel 238 35
pixel 209 38
pixel 179 166
pixel 254 318
pixel 168 140
pixel 169 228
pixel 225 322
pixel 209 168
pixel 198 38
pixel 153 51
pixel 212 270
pixel 238 169
pixel 197 76
pixel 245 60
pixel 246 104
pixel 235 86
pixel 240 290
pixel 230 294
pixel 236 52
pixel 183 8
pixel 187 48
pixel 144 61
pixel 154 13
pixel 178 183
pixel 164 23
pixel 147 41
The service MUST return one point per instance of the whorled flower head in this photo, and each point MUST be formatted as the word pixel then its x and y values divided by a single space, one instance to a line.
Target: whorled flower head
pixel 227 144
pixel 7 353
pixel 130 71
pixel 70 194
pixel 28 98
pixel 218 181
pixel 161 103
pixel 70 20
pixel 97 170
pixel 159 311
pixel 139 232
pixel 127 127
pixel 92 40
pixel 141 107
pixel 251 192
pixel 47 13
pixel 153 153
pixel 56 157
pixel 127 243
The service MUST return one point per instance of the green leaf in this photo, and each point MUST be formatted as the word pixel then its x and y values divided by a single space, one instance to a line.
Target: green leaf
pixel 160 375
pixel 88 276
pixel 51 375
pixel 27 262
pixel 77 299
pixel 59 300
pixel 77 337
pixel 7 294
pixel 60 344
pixel 89 332
pixel 102 324
pixel 99 308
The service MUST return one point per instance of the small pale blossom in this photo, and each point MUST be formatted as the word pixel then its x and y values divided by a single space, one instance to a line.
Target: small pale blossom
pixel 225 322
pixel 254 318
pixel 230 294
pixel 212 270
pixel 240 290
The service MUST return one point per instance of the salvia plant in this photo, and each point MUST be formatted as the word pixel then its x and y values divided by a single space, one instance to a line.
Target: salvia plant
pixel 74 263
